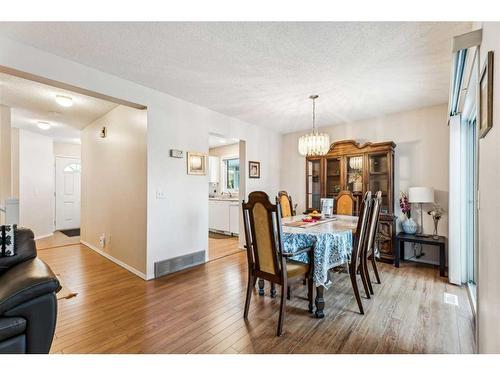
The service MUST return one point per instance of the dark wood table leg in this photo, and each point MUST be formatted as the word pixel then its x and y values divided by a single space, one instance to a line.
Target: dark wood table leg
pixel 320 302
pixel 273 290
pixel 400 250
pixel 261 287
pixel 442 260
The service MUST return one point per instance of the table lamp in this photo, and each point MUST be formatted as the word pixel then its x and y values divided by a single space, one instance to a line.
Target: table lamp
pixel 421 195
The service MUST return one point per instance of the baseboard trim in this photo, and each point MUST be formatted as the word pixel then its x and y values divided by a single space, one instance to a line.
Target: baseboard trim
pixel 44 236
pixel 114 260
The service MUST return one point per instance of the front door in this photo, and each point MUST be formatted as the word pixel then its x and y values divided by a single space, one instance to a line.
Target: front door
pixel 68 172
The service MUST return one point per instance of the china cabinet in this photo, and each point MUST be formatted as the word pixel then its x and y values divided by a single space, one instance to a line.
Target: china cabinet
pixel 357 168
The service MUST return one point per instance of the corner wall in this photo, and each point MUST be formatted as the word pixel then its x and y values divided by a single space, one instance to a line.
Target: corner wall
pixel 36 183
pixel 488 283
pixel 114 191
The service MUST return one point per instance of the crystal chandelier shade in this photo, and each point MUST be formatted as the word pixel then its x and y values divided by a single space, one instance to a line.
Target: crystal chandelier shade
pixel 314 143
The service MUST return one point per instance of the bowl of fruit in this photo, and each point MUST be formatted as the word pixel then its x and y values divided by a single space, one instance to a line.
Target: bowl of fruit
pixel 315 215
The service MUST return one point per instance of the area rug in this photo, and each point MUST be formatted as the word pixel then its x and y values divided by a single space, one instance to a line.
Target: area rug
pixel 64 293
pixel 71 232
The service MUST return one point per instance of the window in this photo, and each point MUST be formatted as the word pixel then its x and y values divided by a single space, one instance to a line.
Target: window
pixel 232 174
pixel 72 168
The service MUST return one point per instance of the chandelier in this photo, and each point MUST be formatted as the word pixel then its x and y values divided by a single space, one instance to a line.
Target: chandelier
pixel 314 143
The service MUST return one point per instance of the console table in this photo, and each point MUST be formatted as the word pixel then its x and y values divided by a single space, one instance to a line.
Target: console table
pixel 402 237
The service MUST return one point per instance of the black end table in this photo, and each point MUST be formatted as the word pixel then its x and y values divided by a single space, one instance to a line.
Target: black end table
pixel 440 242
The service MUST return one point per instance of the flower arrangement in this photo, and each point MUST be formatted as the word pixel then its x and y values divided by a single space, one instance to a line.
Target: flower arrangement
pixel 437 212
pixel 404 204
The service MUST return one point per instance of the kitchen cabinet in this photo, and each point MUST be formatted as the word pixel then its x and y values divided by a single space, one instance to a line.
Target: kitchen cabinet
pixel 224 215
pixel 234 217
pixel 214 169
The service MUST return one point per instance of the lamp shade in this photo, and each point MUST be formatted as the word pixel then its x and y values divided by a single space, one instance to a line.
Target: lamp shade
pixel 421 195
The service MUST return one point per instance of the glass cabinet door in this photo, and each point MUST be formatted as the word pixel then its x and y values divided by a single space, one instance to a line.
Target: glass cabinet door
pixel 378 178
pixel 354 182
pixel 333 183
pixel 313 184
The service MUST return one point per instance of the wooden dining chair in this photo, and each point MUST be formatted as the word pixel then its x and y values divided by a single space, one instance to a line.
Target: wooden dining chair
pixel 345 203
pixel 266 257
pixel 369 252
pixel 286 204
pixel 357 256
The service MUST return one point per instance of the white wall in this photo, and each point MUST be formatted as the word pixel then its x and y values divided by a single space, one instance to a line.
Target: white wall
pixel 178 224
pixel 5 157
pixel 36 183
pixel 421 157
pixel 114 191
pixel 67 149
pixel 15 162
pixel 488 305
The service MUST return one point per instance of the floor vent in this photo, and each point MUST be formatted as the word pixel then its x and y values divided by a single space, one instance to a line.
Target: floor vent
pixel 450 299
pixel 165 267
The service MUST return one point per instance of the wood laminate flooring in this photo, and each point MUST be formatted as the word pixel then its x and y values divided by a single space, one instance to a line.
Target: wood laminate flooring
pixel 56 240
pixel 220 245
pixel 200 311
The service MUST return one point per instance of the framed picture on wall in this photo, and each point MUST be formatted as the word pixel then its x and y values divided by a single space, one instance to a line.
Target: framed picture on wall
pixel 486 96
pixel 254 169
pixel 196 163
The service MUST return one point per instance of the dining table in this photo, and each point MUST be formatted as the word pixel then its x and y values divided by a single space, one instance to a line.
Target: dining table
pixel 332 242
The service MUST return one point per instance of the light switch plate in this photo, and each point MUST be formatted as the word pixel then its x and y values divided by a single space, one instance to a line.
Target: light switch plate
pixel 160 194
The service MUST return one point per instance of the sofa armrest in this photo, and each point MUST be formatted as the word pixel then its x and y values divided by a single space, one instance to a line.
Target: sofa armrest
pixel 26 281
pixel 25 249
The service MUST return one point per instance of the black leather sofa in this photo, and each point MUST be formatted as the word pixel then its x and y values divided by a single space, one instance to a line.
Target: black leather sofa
pixel 28 304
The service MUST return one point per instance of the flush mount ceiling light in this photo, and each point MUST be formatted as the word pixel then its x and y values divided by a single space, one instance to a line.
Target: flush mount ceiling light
pixel 64 101
pixel 314 143
pixel 43 125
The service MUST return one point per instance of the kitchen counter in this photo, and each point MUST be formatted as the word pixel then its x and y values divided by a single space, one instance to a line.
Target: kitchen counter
pixel 234 199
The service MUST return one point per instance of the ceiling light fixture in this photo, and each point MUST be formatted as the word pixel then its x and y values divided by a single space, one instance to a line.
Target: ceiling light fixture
pixel 43 125
pixel 314 143
pixel 64 101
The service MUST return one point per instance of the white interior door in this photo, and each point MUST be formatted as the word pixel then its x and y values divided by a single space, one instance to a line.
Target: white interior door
pixel 68 171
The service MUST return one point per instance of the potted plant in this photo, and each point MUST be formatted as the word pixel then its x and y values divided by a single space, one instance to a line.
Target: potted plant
pixel 409 225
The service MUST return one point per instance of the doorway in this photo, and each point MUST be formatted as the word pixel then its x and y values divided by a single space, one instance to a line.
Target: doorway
pixel 67 192
pixel 223 196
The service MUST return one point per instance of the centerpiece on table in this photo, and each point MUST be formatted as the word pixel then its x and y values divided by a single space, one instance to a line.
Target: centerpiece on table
pixel 409 225
pixel 437 213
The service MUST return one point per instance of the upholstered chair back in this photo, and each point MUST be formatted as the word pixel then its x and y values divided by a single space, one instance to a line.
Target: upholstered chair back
pixel 286 204
pixel 345 203
pixel 263 233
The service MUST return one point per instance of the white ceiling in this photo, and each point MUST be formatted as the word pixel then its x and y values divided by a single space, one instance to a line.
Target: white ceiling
pixel 263 73
pixel 32 102
pixel 219 141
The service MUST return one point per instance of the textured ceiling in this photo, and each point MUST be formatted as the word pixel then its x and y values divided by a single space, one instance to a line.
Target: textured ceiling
pixel 32 102
pixel 263 73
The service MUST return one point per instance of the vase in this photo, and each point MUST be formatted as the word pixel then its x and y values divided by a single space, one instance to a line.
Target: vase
pixel 435 236
pixel 357 186
pixel 409 226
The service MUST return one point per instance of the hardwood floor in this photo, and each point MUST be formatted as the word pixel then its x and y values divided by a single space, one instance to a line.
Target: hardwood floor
pixel 56 240
pixel 220 245
pixel 200 311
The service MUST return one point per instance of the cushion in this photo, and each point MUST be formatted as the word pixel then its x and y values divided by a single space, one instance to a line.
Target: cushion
pixel 7 240
pixel 294 268
pixel 10 327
